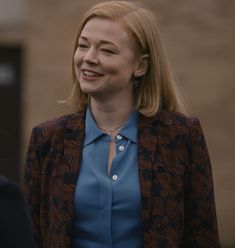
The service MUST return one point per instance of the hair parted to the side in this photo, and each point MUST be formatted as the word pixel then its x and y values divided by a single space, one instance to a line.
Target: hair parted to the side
pixel 156 89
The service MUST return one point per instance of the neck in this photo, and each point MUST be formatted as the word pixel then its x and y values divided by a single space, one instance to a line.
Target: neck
pixel 109 116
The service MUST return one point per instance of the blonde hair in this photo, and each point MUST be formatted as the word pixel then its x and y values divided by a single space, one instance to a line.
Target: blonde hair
pixel 156 89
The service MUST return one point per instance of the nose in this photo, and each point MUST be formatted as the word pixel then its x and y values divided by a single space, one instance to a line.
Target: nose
pixel 91 56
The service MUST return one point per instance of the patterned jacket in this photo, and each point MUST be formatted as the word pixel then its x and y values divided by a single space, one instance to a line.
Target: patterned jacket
pixel 178 206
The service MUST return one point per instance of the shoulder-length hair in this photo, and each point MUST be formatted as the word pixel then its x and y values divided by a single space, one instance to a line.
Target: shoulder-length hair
pixel 157 89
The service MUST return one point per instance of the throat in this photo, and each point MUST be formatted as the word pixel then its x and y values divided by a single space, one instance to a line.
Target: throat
pixel 112 130
pixel 110 118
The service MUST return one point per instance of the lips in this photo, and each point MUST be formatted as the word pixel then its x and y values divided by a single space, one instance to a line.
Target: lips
pixel 91 73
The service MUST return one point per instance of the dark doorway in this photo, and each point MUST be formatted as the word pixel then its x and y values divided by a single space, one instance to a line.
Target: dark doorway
pixel 10 110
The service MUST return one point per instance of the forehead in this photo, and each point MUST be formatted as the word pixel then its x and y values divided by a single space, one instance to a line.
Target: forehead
pixel 106 29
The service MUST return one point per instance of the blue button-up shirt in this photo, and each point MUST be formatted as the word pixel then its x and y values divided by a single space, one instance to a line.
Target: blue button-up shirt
pixel 107 207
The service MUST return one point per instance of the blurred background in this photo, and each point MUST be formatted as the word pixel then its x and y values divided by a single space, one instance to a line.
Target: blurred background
pixel 36 44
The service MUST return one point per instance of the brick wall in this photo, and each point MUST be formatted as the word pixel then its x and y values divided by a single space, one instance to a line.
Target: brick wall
pixel 200 42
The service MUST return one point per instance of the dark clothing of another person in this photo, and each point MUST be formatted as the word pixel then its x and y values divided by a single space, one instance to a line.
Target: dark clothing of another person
pixel 15 225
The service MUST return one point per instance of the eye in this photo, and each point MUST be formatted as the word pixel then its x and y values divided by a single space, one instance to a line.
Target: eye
pixel 108 51
pixel 81 45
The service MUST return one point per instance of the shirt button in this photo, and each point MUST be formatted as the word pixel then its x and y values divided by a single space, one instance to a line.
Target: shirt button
pixel 119 137
pixel 115 177
pixel 121 148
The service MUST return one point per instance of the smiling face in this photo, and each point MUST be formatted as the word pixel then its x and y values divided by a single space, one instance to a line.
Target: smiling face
pixel 105 59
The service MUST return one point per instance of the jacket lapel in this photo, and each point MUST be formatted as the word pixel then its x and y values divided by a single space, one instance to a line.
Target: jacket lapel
pixel 147 144
pixel 73 143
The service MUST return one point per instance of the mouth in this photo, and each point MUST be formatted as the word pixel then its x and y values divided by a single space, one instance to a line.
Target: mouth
pixel 91 74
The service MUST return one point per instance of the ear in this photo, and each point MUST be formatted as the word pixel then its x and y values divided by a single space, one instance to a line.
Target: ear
pixel 142 65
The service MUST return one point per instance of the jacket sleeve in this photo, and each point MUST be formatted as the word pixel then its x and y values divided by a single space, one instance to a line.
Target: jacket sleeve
pixel 200 228
pixel 32 181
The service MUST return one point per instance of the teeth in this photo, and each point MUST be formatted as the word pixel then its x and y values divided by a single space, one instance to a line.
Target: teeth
pixel 90 74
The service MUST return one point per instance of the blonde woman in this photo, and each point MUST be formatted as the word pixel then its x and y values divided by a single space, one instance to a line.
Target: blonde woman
pixel 128 168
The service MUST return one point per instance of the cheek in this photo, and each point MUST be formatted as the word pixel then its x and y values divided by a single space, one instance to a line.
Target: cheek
pixel 77 59
pixel 114 65
pixel 77 65
pixel 121 68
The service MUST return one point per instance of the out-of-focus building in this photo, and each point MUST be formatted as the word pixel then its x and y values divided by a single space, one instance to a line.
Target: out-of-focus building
pixel 12 31
pixel 199 40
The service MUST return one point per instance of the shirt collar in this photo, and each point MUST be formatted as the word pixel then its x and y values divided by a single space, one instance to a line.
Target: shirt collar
pixel 129 130
pixel 91 130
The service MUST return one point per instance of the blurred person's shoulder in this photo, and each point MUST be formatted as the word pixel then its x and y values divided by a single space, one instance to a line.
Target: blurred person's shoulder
pixel 8 188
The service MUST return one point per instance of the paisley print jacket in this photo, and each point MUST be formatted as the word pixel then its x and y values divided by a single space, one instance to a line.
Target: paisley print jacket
pixel 178 205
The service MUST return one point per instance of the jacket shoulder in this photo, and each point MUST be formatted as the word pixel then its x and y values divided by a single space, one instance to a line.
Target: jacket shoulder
pixel 175 123
pixel 56 123
pixel 173 119
pixel 57 126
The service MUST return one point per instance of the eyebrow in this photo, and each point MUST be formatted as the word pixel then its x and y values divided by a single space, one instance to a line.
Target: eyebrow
pixel 101 41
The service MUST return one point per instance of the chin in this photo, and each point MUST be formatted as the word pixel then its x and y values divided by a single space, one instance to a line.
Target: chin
pixel 89 90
